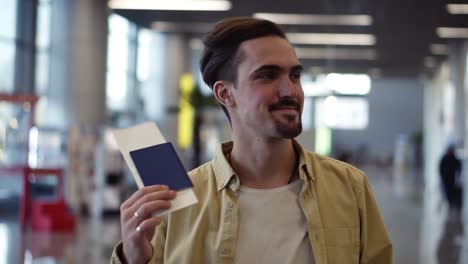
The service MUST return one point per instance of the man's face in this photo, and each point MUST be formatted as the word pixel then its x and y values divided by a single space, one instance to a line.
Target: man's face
pixel 268 93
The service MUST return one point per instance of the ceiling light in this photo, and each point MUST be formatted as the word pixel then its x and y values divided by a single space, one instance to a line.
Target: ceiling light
pixel 335 20
pixel 439 49
pixel 336 53
pixel 188 5
pixel 336 83
pixel 181 27
pixel 350 84
pixel 342 112
pixel 331 39
pixel 457 9
pixel 452 32
pixel 311 88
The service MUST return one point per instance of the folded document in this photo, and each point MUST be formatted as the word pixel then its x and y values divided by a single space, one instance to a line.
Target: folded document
pixel 153 161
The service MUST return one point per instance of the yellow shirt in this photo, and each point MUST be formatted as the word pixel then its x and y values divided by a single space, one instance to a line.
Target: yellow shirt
pixel 344 223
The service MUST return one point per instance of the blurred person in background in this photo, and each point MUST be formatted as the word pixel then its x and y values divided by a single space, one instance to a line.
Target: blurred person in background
pixel 263 198
pixel 450 175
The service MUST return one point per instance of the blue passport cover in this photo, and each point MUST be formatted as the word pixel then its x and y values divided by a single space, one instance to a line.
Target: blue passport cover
pixel 160 164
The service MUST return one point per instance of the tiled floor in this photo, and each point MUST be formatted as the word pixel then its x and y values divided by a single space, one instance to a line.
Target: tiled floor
pixel 91 243
pixel 416 224
pixel 400 205
pixel 420 225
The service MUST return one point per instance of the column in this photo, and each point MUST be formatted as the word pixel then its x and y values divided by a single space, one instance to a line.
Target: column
pixel 77 93
pixel 457 60
pixel 25 46
pixel 176 62
pixel 76 98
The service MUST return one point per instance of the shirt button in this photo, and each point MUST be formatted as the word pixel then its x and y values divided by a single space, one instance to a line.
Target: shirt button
pixel 229 204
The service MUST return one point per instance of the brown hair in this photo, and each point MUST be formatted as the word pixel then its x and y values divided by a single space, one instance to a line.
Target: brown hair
pixel 220 57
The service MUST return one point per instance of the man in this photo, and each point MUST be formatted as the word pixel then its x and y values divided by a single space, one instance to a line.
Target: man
pixel 262 199
pixel 450 172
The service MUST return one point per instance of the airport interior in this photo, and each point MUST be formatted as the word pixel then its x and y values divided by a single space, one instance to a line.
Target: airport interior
pixel 385 85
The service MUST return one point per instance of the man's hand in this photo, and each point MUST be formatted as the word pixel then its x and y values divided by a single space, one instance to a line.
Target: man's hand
pixel 137 223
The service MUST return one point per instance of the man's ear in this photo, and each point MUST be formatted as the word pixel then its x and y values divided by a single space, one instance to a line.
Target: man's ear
pixel 222 93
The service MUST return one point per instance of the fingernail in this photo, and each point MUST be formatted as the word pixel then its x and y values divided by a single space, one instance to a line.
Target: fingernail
pixel 165 187
pixel 172 192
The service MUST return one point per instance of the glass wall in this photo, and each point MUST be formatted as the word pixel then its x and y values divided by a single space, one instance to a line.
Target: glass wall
pixel 10 37
pixel 8 9
pixel 150 73
pixel 134 72
pixel 43 27
pixel 120 67
pixel 135 61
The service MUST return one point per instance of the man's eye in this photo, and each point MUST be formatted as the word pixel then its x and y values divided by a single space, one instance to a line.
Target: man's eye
pixel 296 75
pixel 266 75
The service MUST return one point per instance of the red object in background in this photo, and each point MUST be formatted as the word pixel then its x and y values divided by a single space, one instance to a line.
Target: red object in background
pixel 43 215
pixel 51 216
pixel 47 215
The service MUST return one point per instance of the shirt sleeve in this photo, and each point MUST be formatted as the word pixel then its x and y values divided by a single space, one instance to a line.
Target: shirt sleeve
pixel 376 246
pixel 117 254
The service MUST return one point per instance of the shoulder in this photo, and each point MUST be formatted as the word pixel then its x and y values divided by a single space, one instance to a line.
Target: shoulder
pixel 200 172
pixel 331 171
pixel 201 176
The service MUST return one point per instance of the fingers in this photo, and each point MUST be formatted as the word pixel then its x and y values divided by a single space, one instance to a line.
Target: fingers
pixel 146 194
pixel 141 192
pixel 146 202
pixel 137 246
pixel 137 220
pixel 148 227
pixel 146 211
pixel 144 206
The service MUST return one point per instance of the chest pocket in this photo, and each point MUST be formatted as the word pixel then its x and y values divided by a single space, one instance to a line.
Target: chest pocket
pixel 342 245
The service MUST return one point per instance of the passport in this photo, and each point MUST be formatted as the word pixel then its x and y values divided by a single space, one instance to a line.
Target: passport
pixel 160 164
pixel 152 160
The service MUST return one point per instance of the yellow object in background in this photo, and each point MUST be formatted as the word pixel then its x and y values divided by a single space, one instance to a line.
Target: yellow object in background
pixel 186 111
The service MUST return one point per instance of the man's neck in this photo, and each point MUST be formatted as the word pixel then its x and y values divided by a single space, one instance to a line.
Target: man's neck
pixel 264 164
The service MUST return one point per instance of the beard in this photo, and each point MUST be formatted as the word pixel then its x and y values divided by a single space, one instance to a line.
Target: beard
pixel 289 130
pixel 287 126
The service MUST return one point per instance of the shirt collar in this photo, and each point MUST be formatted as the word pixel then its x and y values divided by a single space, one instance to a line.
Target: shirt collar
pixel 305 162
pixel 221 167
pixel 225 174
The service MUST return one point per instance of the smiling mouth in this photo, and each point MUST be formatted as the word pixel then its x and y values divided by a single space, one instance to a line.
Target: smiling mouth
pixel 285 104
pixel 286 108
pixel 290 112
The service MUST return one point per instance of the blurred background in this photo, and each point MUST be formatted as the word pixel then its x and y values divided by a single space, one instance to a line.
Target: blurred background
pixel 386 85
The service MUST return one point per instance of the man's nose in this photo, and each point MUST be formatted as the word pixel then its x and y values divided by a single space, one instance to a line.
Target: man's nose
pixel 288 88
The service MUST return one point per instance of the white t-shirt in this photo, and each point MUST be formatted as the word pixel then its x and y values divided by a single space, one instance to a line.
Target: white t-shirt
pixel 272 226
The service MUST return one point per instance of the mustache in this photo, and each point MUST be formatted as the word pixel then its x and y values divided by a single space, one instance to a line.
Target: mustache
pixel 285 102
